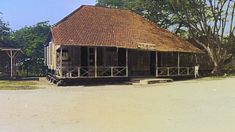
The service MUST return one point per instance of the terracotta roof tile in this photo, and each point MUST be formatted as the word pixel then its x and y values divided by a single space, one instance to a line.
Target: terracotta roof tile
pixel 99 26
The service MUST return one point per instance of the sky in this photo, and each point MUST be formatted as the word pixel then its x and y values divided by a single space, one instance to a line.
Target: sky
pixel 21 13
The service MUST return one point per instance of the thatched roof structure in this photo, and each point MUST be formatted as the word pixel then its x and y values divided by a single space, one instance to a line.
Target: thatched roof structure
pixel 100 26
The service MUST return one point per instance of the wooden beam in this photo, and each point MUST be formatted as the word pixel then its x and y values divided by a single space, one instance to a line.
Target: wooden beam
pixel 168 71
pixel 79 74
pixel 196 59
pixel 47 57
pixel 11 49
pixel 11 54
pixel 111 71
pixel 95 62
pixel 127 71
pixel 61 61
pixel 178 64
pixel 156 64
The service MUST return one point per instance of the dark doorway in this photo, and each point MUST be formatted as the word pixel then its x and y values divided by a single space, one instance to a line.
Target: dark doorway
pixel 121 57
pixel 84 56
pixel 152 63
pixel 139 63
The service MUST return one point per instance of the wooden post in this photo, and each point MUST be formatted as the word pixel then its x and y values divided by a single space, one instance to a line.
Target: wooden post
pixel 95 62
pixel 168 71
pixel 61 62
pixel 48 55
pixel 196 59
pixel 127 72
pixel 49 49
pixel 187 70
pixel 178 64
pixel 156 64
pixel 11 56
pixel 79 72
pixel 111 71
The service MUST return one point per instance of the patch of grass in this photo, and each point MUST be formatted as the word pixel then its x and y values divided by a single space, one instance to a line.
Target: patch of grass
pixel 17 85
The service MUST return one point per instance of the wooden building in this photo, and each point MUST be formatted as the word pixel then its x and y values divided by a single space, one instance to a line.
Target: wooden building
pixel 97 42
pixel 8 56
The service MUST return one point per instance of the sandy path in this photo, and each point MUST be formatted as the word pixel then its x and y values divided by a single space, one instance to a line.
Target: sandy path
pixel 189 106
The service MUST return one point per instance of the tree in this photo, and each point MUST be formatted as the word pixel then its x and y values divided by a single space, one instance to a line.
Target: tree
pixel 111 3
pixel 157 11
pixel 30 40
pixel 211 25
pixel 4 29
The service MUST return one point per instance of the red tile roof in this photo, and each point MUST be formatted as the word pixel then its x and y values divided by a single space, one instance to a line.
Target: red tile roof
pixel 100 26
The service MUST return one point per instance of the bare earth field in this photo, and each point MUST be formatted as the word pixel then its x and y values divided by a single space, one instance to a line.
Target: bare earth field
pixel 203 105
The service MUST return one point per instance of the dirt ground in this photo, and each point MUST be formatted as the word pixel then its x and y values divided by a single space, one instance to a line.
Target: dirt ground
pixel 203 105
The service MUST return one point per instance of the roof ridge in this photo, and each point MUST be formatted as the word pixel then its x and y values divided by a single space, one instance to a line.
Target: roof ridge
pixel 79 8
pixel 123 9
pixel 63 19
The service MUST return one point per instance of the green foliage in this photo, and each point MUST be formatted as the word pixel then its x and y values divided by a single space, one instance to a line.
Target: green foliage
pixel 211 26
pixel 111 3
pixel 30 40
pixel 210 23
pixel 157 11
pixel 4 29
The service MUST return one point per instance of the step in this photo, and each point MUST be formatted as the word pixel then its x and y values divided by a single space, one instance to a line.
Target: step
pixel 155 80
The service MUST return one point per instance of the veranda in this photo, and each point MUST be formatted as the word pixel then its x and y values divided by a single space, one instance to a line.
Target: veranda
pixel 107 62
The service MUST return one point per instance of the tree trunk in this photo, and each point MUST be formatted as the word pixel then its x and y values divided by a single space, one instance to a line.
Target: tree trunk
pixel 216 68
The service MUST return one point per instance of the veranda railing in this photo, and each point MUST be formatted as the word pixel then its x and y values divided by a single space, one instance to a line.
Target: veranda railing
pixel 174 71
pixel 86 71
pixel 117 71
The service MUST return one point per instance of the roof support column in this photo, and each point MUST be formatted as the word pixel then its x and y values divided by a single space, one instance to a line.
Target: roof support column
pixel 61 61
pixel 156 64
pixel 196 59
pixel 127 72
pixel 178 63
pixel 95 62
pixel 11 56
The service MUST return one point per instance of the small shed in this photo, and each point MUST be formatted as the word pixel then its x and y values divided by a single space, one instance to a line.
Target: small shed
pixel 98 42
pixel 8 57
